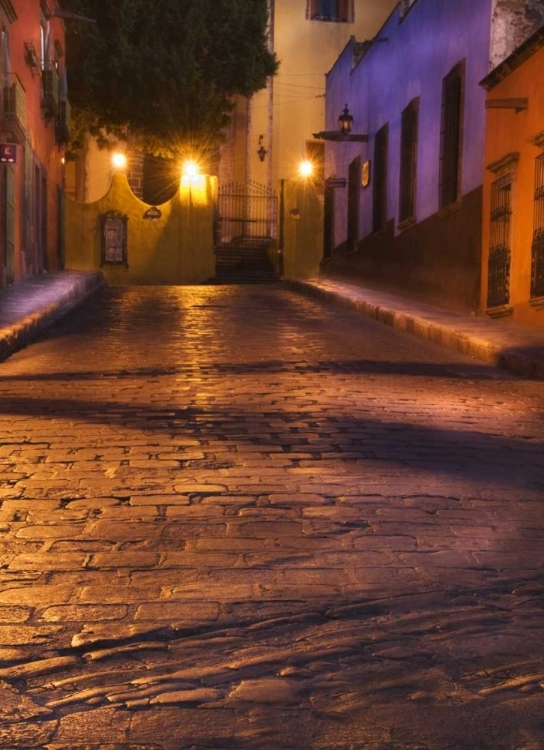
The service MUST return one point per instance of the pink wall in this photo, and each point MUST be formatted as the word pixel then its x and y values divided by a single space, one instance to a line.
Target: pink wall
pixel 40 135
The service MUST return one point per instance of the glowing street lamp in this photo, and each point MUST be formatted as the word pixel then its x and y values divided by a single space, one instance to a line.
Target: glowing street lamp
pixel 306 168
pixel 119 160
pixel 190 169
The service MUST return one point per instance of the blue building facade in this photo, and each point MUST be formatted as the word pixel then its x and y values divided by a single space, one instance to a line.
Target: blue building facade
pixel 409 216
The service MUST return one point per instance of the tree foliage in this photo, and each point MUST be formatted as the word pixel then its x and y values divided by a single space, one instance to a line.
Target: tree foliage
pixel 165 71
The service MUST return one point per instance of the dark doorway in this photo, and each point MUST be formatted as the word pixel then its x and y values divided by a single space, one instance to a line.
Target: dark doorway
pixel 328 239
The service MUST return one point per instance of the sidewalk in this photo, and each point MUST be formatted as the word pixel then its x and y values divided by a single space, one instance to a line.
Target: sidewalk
pixel 511 346
pixel 28 307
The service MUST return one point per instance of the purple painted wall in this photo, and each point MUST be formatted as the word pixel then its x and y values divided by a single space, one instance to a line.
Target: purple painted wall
pixel 419 52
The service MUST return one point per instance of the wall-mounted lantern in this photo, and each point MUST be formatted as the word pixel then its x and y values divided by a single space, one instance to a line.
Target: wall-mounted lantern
pixel 261 151
pixel 345 121
pixel 345 125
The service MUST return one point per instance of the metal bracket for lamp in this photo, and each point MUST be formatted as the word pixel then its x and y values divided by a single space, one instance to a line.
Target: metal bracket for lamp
pixel 334 135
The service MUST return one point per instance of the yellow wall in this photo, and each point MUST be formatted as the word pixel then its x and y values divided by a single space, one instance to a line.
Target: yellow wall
pixel 292 108
pixel 511 132
pixel 307 50
pixel 303 236
pixel 175 249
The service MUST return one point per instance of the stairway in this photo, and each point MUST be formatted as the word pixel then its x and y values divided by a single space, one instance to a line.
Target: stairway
pixel 241 264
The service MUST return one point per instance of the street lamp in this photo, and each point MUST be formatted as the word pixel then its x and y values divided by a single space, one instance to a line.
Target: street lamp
pixel 343 134
pixel 306 168
pixel 119 160
pixel 190 169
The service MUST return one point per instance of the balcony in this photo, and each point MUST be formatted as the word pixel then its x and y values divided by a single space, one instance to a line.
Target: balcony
pixel 13 109
pixel 50 93
pixel 63 122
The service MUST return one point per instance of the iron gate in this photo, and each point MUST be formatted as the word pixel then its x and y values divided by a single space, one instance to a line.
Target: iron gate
pixel 246 213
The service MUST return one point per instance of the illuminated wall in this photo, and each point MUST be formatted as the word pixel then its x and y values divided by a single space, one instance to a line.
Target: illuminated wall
pixel 514 159
pixel 175 248
pixel 293 107
pixel 38 177
pixel 437 256
pixel 303 230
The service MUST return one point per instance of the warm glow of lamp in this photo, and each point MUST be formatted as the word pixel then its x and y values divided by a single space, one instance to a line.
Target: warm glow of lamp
pixel 119 160
pixel 306 168
pixel 190 169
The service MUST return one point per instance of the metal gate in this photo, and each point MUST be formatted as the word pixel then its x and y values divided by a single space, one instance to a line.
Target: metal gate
pixel 246 213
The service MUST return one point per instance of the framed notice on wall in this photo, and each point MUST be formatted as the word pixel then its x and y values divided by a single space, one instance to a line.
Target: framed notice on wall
pixel 365 174
pixel 114 238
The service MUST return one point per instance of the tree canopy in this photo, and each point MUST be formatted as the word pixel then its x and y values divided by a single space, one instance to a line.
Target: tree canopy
pixel 165 71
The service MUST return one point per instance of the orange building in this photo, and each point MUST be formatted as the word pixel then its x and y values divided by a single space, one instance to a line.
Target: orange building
pixel 513 201
pixel 34 121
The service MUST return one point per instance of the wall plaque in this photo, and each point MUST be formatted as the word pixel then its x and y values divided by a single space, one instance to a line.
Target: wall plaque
pixel 336 182
pixel 8 153
pixel 153 213
pixel 114 238
pixel 365 174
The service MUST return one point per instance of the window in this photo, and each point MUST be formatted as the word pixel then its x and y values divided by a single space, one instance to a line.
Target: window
pixel 330 10
pixel 498 284
pixel 450 136
pixel 537 251
pixel 408 161
pixel 379 193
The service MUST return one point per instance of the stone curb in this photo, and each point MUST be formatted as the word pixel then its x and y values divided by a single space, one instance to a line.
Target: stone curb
pixel 512 347
pixel 18 335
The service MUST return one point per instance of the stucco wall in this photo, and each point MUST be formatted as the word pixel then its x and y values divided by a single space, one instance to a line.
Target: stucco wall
pixel 175 249
pixel 306 50
pixel 419 52
pixel 411 60
pixel 39 139
pixel 511 132
pixel 513 22
pixel 303 230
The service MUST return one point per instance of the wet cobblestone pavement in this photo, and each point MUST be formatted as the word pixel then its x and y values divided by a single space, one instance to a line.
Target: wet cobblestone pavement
pixel 238 519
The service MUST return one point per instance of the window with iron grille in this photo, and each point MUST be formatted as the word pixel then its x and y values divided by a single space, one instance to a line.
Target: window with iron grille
pixel 330 10
pixel 498 283
pixel 537 250
pixel 379 192
pixel 450 136
pixel 408 160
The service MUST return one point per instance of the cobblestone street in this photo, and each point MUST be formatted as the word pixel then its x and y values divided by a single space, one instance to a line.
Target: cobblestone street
pixel 237 518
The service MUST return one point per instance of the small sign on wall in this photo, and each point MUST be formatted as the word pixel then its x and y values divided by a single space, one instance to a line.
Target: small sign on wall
pixel 8 153
pixel 114 238
pixel 365 174
pixel 153 213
